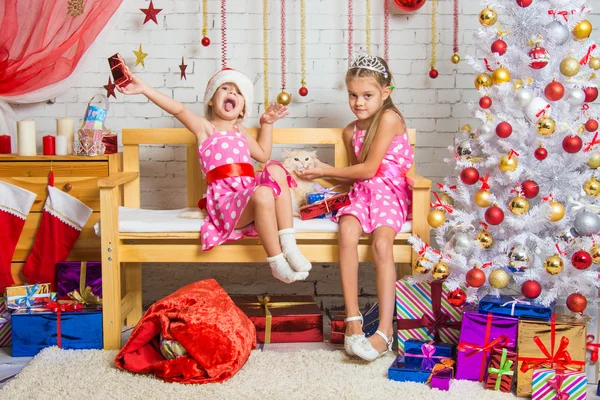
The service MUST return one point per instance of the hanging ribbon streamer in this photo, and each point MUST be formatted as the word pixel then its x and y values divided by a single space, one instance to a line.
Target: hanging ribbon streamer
pixel 368 25
pixel 350 31
pixel 303 91
pixel 224 33
pixel 439 204
pixel 283 98
pixel 591 144
pixel 433 73
pixel 557 13
pixel 266 52
pixel 386 31
pixel 455 57
pixel 205 39
pixel 588 54
pixel 484 182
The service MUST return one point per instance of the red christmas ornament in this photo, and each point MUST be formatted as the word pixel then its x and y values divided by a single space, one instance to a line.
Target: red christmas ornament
pixel 576 302
pixel 494 215
pixel 150 13
pixel 110 89
pixel 485 102
pixel 457 297
pixel 591 125
pixel 531 289
pixel 205 41
pixel 554 91
pixel 475 277
pixel 524 3
pixel 539 57
pixel 469 175
pixel 572 144
pixel 581 260
pixel 409 5
pixel 303 91
pixel 504 130
pixel 591 94
pixel 530 189
pixel 540 153
pixel 499 46
pixel 433 73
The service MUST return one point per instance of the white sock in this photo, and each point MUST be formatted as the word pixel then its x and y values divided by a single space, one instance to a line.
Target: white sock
pixel 282 270
pixel 287 238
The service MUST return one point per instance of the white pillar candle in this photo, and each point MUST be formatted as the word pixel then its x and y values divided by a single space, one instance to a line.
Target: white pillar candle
pixel 65 127
pixel 26 138
pixel 61 146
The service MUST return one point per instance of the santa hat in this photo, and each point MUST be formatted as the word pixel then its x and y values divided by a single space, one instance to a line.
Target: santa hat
pixel 230 75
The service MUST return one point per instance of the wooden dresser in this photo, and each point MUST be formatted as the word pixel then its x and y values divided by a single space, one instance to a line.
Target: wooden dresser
pixel 73 174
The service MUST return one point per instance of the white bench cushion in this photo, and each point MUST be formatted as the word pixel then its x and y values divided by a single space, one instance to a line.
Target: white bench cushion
pixel 135 220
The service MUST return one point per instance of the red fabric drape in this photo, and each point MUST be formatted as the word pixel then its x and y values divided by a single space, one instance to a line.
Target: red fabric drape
pixel 41 44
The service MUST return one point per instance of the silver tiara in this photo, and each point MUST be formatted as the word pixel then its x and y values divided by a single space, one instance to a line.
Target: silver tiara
pixel 366 61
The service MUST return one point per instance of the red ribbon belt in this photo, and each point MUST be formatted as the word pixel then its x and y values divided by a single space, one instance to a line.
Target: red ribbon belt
pixel 559 360
pixel 440 319
pixel 58 308
pixel 226 171
pixel 472 348
pixel 592 347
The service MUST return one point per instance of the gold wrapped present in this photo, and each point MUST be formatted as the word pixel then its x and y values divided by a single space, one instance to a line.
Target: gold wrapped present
pixel 26 296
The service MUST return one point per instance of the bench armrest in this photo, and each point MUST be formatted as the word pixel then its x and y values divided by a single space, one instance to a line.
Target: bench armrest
pixel 417 181
pixel 118 179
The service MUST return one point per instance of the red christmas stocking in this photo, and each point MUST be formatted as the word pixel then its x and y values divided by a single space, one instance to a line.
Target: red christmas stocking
pixel 15 204
pixel 62 221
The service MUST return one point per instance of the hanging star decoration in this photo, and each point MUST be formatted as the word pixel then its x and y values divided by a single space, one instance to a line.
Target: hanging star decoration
pixel 139 56
pixel 150 13
pixel 110 88
pixel 182 68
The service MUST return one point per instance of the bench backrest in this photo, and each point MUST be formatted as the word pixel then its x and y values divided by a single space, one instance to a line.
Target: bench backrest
pixel 133 138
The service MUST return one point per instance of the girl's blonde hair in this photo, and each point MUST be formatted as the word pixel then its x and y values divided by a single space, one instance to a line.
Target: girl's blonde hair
pixel 388 104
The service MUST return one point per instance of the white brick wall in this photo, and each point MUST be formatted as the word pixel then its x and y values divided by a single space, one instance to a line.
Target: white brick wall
pixel 435 108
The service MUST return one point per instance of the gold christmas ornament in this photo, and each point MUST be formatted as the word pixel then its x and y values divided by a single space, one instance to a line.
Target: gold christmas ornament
pixel 595 63
pixel 420 266
pixel 498 279
pixel 582 30
pixel 485 239
pixel 594 161
pixel 507 164
pixel 557 211
pixel 595 253
pixel 483 80
pixel 440 270
pixel 436 218
pixel 488 16
pixel 546 126
pixel 519 205
pixel 554 265
pixel 592 187
pixel 500 75
pixel 482 198
pixel 446 199
pixel 455 59
pixel 569 67
pixel 284 98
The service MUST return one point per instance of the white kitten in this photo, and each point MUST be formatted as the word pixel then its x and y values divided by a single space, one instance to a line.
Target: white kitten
pixel 297 161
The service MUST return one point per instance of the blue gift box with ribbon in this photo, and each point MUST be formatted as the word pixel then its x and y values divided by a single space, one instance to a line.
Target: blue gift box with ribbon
pixel 399 372
pixel 514 307
pixel 322 193
pixel 423 354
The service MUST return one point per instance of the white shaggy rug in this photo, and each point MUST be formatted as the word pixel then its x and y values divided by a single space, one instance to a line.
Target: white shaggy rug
pixel 320 374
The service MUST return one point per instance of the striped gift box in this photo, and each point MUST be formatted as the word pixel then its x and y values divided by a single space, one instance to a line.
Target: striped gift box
pixel 414 302
pixel 5 334
pixel 574 384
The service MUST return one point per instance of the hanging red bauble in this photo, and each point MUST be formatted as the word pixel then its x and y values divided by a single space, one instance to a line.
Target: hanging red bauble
pixel 591 125
pixel 433 73
pixel 539 57
pixel 469 175
pixel 457 297
pixel 572 144
pixel 524 3
pixel 554 91
pixel 409 5
pixel 531 289
pixel 475 277
pixel 591 94
pixel 504 130
pixel 499 46
pixel 540 153
pixel 205 41
pixel 485 102
pixel 494 215
pixel 303 91
pixel 530 189
pixel 581 260
pixel 576 302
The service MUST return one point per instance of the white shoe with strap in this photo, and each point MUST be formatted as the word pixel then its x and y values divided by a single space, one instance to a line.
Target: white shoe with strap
pixel 350 340
pixel 365 350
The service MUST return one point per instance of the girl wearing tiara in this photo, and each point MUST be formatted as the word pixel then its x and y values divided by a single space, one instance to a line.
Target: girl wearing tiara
pixel 380 154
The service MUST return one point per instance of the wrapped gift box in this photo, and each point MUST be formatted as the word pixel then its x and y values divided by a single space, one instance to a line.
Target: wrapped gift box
pixel 77 276
pixel 514 307
pixel 35 329
pixel 119 70
pixel 312 198
pixel 479 333
pixel 419 306
pixel 283 319
pixel 501 370
pixel 328 205
pixel 423 354
pixel 370 325
pixel 399 372
pixel 4 324
pixel 338 328
pixel 28 296
pixel 111 143
pixel 538 340
pixel 442 374
pixel 553 384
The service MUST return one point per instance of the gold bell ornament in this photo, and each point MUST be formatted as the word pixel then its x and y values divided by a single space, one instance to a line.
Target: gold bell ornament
pixel 569 67
pixel 498 279
pixel 284 98
pixel 421 265
pixel 554 265
pixel 507 163
pixel 440 270
pixel 594 161
pixel 483 198
pixel 488 16
pixel 519 205
pixel 595 63
pixel 546 126
pixel 582 30
pixel 436 218
pixel 592 187
pixel 485 239
pixel 557 211
pixel 455 59
pixel 500 75
pixel 483 80
pixel 595 253
pixel 446 199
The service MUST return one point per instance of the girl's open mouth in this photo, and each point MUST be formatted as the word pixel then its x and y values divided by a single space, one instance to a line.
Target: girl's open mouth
pixel 229 105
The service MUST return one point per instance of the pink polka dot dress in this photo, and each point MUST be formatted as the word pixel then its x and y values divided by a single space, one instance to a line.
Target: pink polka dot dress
pixel 383 200
pixel 227 198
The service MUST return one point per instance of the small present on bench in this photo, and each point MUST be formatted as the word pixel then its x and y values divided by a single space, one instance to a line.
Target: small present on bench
pixel 323 203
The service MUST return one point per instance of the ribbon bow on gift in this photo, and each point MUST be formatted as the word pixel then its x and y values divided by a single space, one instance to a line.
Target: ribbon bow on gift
pixel 85 297
pixel 428 350
pixel 592 347
pixel 59 308
pixel 514 302
pixel 326 191
pixel 445 364
pixel 29 299
pixel 505 368
pixel 556 383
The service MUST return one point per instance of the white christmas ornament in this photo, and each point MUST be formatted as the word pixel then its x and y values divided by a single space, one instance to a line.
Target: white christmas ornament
pixel 524 97
pixel 558 32
pixel 536 108
pixel 486 131
pixel 575 97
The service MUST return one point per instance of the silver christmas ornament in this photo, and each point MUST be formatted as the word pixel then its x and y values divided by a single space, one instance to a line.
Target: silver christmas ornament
pixel 523 97
pixel 587 223
pixel 519 259
pixel 464 149
pixel 568 234
pixel 575 97
pixel 462 243
pixel 558 32
pixel 486 131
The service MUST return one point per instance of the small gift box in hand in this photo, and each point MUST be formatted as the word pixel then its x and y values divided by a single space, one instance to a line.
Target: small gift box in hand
pixel 119 70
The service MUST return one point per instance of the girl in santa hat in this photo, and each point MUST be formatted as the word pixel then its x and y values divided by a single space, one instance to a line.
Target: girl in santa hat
pixel 238 202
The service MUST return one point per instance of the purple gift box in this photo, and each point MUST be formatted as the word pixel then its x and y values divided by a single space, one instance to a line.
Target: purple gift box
pixel 77 276
pixel 479 333
pixel 441 379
